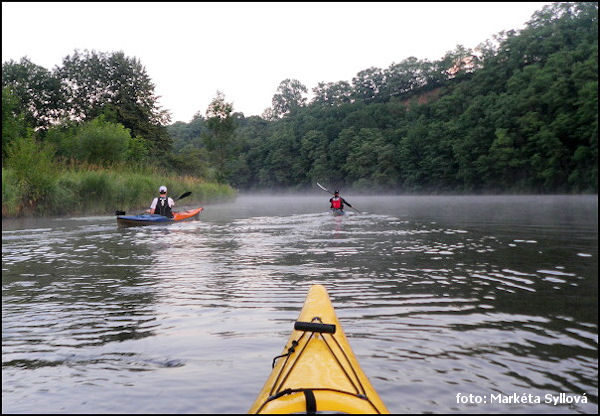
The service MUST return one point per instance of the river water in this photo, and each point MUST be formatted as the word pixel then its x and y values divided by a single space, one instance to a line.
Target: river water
pixel 451 304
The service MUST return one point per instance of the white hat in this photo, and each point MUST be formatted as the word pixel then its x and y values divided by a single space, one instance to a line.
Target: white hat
pixel 162 189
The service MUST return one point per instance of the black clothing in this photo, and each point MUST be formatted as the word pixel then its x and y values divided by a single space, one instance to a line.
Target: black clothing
pixel 162 207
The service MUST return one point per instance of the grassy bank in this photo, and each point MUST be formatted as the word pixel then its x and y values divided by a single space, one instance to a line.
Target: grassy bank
pixel 93 190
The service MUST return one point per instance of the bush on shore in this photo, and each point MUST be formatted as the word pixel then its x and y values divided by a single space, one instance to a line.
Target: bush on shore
pixel 87 189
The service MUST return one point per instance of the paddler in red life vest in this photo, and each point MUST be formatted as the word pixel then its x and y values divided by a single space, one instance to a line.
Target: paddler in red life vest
pixel 337 202
pixel 162 204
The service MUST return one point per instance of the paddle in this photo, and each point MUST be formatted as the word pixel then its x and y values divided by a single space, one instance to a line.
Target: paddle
pixel 327 190
pixel 183 195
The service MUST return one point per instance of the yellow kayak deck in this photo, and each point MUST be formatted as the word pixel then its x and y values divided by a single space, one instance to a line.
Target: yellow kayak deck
pixel 317 370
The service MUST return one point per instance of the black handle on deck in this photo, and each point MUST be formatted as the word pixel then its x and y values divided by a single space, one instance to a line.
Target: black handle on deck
pixel 314 327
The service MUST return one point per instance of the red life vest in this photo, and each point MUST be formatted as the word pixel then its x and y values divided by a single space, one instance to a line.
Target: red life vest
pixel 336 203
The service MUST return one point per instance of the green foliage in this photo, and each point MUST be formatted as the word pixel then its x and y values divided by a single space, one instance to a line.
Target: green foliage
pixel 313 151
pixel 220 136
pixel 64 139
pixel 331 93
pixel 192 161
pixel 41 99
pixel 102 191
pixel 137 151
pixel 186 134
pixel 82 156
pixel 11 194
pixel 88 85
pixel 516 115
pixel 118 87
pixel 289 97
pixel 13 122
pixel 103 143
pixel 519 114
pixel 33 168
pixel 98 142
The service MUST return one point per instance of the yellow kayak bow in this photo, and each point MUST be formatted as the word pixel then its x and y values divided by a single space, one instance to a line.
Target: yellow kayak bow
pixel 317 371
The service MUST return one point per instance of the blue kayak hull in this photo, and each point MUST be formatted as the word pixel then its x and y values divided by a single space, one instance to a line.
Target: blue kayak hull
pixel 143 219
pixel 150 219
pixel 337 212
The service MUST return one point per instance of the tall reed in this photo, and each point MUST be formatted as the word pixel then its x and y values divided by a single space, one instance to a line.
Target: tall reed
pixel 88 189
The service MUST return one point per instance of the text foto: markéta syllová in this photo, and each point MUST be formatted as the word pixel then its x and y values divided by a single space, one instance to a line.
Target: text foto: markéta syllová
pixel 524 398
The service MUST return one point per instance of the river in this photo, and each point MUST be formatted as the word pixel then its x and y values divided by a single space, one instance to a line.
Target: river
pixel 471 304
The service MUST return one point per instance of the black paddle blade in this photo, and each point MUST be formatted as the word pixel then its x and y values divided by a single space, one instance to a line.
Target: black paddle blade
pixel 184 195
pixel 119 212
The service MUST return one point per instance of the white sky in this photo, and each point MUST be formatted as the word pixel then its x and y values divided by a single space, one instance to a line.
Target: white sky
pixel 191 50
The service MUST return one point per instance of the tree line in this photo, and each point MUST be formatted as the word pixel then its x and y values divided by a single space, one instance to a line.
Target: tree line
pixel 112 90
pixel 86 135
pixel 518 113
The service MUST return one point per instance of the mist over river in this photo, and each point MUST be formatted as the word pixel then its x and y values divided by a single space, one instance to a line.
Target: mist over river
pixel 471 304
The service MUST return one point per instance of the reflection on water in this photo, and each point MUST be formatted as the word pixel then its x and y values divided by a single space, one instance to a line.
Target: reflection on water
pixel 438 296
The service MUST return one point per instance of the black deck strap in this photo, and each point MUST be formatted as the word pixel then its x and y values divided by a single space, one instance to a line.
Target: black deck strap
pixel 290 350
pixel 280 394
pixel 311 402
pixel 311 391
pixel 314 327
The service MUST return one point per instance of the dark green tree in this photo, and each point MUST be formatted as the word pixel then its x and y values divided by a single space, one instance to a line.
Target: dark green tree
pixel 289 97
pixel 41 99
pixel 313 152
pixel 13 121
pixel 367 84
pixel 332 93
pixel 219 139
pixel 118 87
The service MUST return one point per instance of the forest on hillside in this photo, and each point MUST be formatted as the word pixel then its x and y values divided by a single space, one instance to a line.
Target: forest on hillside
pixel 518 113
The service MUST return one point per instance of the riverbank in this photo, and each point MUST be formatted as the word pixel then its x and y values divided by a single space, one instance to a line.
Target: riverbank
pixel 80 191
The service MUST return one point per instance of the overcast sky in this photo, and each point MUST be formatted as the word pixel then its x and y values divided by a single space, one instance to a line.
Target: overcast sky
pixel 244 50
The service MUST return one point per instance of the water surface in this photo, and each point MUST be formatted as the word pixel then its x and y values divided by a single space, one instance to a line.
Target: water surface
pixel 481 297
